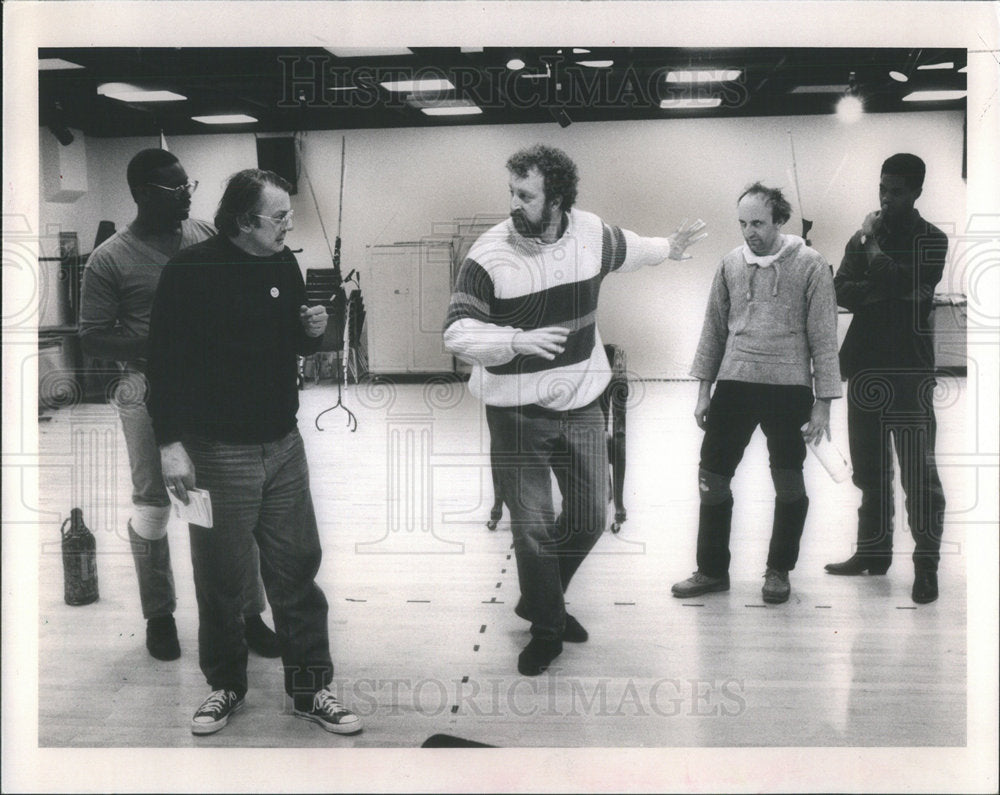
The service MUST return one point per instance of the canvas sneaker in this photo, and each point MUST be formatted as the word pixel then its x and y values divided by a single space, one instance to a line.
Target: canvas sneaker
pixel 215 711
pixel 329 713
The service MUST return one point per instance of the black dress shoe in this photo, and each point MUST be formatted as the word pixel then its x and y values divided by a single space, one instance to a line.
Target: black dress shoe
pixel 261 638
pixel 925 588
pixel 857 564
pixel 161 638
pixel 574 632
pixel 537 655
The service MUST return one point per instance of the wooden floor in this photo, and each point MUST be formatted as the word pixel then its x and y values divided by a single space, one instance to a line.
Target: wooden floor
pixel 423 635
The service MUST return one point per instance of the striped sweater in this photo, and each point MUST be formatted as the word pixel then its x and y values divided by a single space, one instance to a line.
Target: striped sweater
pixel 510 283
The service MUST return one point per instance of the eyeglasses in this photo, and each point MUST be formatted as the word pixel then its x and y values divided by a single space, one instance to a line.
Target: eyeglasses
pixel 280 220
pixel 180 190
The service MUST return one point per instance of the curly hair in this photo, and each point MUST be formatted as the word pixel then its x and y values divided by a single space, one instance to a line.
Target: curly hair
pixel 241 196
pixel 556 168
pixel 781 210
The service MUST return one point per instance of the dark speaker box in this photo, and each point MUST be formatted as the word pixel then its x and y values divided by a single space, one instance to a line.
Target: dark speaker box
pixel 278 155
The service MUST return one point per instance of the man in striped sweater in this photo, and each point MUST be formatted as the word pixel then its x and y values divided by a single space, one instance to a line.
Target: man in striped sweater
pixel 524 313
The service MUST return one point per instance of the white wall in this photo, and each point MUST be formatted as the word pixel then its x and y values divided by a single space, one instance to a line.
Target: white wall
pixel 405 184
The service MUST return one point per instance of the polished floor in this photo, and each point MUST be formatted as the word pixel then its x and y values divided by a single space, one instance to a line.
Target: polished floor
pixel 421 594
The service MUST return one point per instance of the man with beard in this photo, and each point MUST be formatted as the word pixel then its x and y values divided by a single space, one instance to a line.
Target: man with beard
pixel 228 322
pixel 118 288
pixel 887 279
pixel 769 338
pixel 523 313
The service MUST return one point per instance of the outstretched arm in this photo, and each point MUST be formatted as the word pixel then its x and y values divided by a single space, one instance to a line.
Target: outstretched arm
pixel 642 251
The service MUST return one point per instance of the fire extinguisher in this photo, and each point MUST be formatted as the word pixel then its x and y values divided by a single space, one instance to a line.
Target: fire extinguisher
pixel 79 554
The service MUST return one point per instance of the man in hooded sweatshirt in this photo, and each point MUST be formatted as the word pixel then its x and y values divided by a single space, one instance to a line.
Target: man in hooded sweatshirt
pixel 769 343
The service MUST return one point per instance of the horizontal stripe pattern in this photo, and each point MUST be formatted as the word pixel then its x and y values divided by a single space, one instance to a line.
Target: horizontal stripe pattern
pixel 579 346
pixel 613 248
pixel 512 282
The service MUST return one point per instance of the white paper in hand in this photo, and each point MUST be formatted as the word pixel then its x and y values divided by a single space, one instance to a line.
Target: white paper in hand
pixel 198 510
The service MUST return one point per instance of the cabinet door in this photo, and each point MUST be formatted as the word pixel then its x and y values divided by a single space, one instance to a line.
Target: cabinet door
pixel 409 286
pixel 432 292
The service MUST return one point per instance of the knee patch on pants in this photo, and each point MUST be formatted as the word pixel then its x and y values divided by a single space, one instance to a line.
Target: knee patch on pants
pixel 150 521
pixel 788 485
pixel 713 489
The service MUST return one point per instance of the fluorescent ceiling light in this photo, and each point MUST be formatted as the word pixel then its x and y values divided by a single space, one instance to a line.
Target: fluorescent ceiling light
pixel 418 86
pixel 56 63
pixel 341 88
pixel 942 65
pixel 367 52
pixel 703 75
pixel 232 118
pixel 934 96
pixel 596 64
pixel 691 102
pixel 839 89
pixel 125 92
pixel 537 75
pixel 899 77
pixel 452 110
pixel 418 101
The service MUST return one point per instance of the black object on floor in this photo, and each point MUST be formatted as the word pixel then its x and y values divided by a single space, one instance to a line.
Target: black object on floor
pixel 447 741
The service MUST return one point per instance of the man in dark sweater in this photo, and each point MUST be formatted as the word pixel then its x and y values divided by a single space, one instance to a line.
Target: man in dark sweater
pixel 228 320
pixel 887 279
pixel 118 288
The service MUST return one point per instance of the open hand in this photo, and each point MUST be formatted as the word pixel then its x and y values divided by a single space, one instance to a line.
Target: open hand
pixel 684 237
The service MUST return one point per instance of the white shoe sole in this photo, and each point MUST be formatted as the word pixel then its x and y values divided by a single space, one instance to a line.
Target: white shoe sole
pixel 348 728
pixel 212 728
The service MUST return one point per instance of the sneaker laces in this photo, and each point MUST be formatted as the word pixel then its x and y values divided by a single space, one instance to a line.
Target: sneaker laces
pixel 326 701
pixel 215 703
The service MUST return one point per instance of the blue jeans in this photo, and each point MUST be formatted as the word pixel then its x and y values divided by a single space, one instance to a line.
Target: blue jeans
pixel 259 491
pixel 151 552
pixel 528 445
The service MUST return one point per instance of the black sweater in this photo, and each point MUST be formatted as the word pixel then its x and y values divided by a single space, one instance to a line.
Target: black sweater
pixel 888 282
pixel 223 340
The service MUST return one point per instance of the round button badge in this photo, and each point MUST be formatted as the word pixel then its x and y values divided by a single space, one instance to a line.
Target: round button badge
pixel 274 292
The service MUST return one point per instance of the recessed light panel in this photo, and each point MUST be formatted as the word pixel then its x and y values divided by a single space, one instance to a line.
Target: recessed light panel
pixel 231 118
pixel 703 75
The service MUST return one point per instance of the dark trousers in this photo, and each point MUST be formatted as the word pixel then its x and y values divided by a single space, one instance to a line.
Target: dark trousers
pixel 737 408
pixel 259 491
pixel 528 445
pixel 888 409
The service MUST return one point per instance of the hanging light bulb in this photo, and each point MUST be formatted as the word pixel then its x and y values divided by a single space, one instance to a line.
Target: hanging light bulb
pixel 851 107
